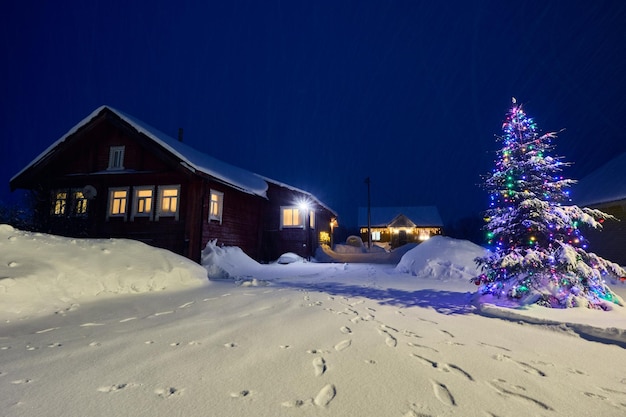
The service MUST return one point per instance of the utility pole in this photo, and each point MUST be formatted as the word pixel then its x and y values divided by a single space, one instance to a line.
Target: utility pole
pixel 369 215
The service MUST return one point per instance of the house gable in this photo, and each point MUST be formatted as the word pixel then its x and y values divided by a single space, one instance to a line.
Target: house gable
pixel 87 153
pixel 185 156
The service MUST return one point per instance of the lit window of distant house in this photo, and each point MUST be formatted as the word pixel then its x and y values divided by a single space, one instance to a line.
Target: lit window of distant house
pixel 168 201
pixel 118 202
pixel 143 201
pixel 79 203
pixel 116 158
pixel 216 206
pixel 59 203
pixel 376 236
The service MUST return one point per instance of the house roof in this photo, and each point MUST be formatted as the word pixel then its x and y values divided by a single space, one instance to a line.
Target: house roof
pixel 191 159
pixel 606 184
pixel 384 216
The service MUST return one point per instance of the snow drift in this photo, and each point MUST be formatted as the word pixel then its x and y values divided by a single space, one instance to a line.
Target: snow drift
pixel 54 273
pixel 442 258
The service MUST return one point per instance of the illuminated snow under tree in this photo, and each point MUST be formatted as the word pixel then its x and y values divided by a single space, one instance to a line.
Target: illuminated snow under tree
pixel 539 254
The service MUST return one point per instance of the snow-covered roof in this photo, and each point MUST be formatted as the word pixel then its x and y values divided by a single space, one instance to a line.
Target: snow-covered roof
pixel 382 216
pixel 298 190
pixel 192 159
pixel 607 183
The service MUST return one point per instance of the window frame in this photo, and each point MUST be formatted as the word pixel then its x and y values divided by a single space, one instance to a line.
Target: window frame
pixel 137 199
pixel 300 215
pixel 169 213
pixel 111 199
pixel 58 206
pixel 73 204
pixel 220 206
pixel 116 158
pixel 77 203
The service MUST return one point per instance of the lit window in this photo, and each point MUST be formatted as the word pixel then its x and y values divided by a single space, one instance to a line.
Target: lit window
pixel 79 203
pixel 69 202
pixel 118 200
pixel 375 236
pixel 216 206
pixel 59 203
pixel 143 201
pixel 290 217
pixel 168 201
pixel 116 158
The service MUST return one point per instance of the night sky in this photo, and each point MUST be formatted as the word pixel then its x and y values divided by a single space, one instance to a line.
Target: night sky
pixel 322 94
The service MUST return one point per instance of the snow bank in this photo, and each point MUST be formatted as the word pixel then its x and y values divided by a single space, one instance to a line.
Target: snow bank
pixel 442 258
pixel 55 273
pixel 226 262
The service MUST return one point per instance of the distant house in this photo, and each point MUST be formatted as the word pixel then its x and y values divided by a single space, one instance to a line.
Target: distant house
pixel 112 175
pixel 605 189
pixel 397 226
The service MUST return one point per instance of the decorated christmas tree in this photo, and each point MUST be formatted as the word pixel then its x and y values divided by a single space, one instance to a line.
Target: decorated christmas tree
pixel 539 254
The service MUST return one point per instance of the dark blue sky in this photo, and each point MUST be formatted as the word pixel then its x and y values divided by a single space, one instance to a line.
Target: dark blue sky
pixel 321 94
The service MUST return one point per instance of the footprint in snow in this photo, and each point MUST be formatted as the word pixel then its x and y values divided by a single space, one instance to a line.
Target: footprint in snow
pixel 322 399
pixel 162 313
pixel 343 345
pixel 325 396
pixel 319 365
pixel 240 394
pixel 513 391
pixel 115 387
pixel 443 366
pixel 21 381
pixel 345 330
pixel 186 304
pixel 128 319
pixel 390 340
pixel 417 345
pixel 523 365
pixel 167 392
pixel 442 393
pixel 47 330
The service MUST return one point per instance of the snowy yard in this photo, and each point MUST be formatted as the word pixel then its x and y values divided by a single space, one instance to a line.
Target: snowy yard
pixel 117 328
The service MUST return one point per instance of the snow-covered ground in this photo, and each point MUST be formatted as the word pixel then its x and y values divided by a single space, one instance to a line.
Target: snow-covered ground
pixel 117 328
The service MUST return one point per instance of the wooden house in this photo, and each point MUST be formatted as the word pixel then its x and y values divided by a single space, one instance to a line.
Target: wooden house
pixel 114 176
pixel 605 189
pixel 396 226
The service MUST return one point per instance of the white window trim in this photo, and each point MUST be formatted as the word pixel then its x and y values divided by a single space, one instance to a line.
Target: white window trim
pixel 135 212
pixel 114 150
pixel 282 218
pixel 220 203
pixel 159 212
pixel 109 207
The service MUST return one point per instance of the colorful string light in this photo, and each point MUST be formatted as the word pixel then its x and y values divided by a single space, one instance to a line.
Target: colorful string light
pixel 538 248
